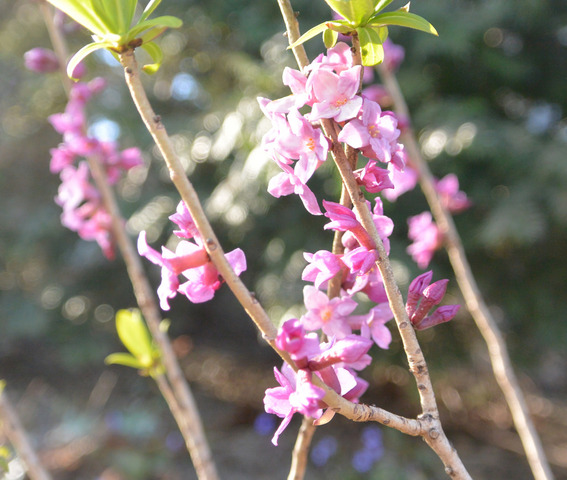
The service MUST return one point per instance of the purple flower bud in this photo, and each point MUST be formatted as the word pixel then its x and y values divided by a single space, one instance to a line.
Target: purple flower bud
pixel 431 296
pixel 80 70
pixel 290 336
pixel 415 290
pixel 436 291
pixel 41 60
pixel 441 315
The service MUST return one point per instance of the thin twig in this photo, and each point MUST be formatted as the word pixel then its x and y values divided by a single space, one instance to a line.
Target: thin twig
pixel 498 352
pixel 435 437
pixel 58 43
pixel 301 449
pixel 18 437
pixel 190 425
pixel 189 422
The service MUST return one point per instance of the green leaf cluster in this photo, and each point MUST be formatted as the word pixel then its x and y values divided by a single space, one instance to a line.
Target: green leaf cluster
pixel 112 25
pixel 364 18
pixel 144 354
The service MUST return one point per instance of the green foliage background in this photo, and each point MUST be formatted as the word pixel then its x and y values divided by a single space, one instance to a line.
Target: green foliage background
pixel 488 99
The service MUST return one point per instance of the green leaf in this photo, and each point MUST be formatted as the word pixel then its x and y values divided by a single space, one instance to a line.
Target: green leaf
pixel 403 19
pixel 309 34
pixel 150 7
pixel 166 21
pixel 330 38
pixel 355 11
pixel 381 5
pixel 157 56
pixel 121 12
pixel 83 13
pixel 371 48
pixel 124 359
pixel 340 26
pixel 134 334
pixel 106 13
pixel 84 52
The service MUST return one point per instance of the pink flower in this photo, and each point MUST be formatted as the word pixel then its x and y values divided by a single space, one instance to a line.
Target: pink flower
pixel 403 180
pixel 343 219
pixel 373 324
pixel 323 265
pixel 41 60
pixel 286 183
pixel 373 178
pixel 293 338
pixel 360 260
pixel 426 238
pixel 335 94
pixel 393 55
pixel 83 211
pixel 191 261
pixel 350 351
pixel 329 315
pixel 339 58
pixel 296 393
pixel 452 198
pixel 183 219
pixel 384 226
pixel 374 133
pixel 299 140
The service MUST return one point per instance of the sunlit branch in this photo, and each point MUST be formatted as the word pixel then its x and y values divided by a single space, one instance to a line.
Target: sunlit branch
pixel 498 352
pixel 186 415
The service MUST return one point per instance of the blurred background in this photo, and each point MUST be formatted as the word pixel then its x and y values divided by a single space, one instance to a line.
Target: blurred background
pixel 489 102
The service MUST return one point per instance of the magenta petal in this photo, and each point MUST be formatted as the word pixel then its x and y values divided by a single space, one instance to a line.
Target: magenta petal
pixel 237 260
pixel 282 427
pixel 146 251
pixel 355 134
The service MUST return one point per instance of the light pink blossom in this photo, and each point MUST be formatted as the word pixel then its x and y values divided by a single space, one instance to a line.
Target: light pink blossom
pixel 296 393
pixel 329 315
pixel 335 94
pixel 426 238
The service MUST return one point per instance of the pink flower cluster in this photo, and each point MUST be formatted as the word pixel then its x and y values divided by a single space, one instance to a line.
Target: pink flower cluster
pixel 191 260
pixel 335 363
pixel 296 142
pixel 83 211
pixel 350 336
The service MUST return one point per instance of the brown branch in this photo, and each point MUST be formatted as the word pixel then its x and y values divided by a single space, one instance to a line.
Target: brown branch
pixel 434 436
pixel 353 411
pixel 190 424
pixel 17 436
pixel 301 449
pixel 499 357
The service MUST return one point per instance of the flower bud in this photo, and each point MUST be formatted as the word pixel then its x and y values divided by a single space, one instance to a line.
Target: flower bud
pixel 415 290
pixel 441 315
pixel 431 296
pixel 41 60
